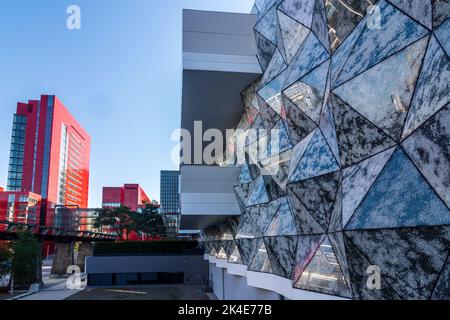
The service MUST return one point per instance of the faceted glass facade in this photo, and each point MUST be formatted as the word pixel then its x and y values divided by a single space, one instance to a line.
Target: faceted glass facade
pixel 363 179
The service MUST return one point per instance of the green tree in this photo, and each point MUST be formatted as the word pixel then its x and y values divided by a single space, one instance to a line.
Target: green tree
pixel 25 258
pixel 149 221
pixel 121 220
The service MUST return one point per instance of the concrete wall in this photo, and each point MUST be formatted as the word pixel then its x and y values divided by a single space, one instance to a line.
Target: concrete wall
pixel 233 287
pixel 194 267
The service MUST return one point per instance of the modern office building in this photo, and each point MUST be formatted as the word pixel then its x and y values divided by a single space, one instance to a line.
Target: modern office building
pixel 350 198
pixel 169 192
pixel 49 156
pixel 129 195
pixel 19 207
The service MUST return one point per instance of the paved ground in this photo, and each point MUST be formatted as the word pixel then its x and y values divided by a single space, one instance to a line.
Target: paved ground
pixel 54 289
pixel 141 293
pixel 9 296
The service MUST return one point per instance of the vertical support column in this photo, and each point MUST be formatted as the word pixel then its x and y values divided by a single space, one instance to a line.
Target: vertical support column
pixel 86 249
pixel 63 258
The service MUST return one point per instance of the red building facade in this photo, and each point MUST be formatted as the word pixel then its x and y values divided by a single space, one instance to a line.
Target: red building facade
pixel 131 196
pixel 19 207
pixel 49 156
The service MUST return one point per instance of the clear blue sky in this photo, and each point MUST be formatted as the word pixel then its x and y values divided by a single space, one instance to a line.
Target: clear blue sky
pixel 120 76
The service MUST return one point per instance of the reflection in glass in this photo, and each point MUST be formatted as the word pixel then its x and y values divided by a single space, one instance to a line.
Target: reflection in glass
pixel 343 16
pixel 323 273
pixel 261 260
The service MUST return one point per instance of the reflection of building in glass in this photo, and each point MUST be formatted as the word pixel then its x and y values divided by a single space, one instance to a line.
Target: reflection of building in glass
pixel 363 119
pixel 49 155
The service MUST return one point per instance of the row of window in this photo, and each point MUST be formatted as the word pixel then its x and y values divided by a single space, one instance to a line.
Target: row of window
pixel 17 153
pixel 111 204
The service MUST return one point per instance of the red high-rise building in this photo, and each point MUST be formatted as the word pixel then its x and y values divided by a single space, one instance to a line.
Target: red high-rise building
pixel 49 156
pixel 130 195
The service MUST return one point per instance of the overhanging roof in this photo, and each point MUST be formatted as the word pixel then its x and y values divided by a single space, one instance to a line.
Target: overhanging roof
pixel 219 62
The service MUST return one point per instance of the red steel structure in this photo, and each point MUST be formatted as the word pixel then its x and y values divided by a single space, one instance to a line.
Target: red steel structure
pixel 130 195
pixel 49 156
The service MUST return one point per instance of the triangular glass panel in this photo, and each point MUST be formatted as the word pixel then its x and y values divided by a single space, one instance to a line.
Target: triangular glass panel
pixel 242 191
pixel 293 34
pixel 358 266
pixel 442 289
pixel 306 248
pixel 279 139
pixel 323 273
pixel 317 195
pixel 328 129
pixel 259 193
pixel 382 94
pixel 337 241
pixel 300 10
pixel 278 168
pixel 282 223
pixel 273 190
pixel 343 52
pixel 263 214
pixel 222 254
pixel 410 258
pixel 255 10
pixel 307 93
pixel 298 151
pixel 342 17
pixel 305 223
pixel 264 5
pixel 317 160
pixel 357 181
pixel 429 148
pixel 358 139
pixel 244 176
pixel 400 197
pixel 249 94
pixel 235 256
pixel 266 50
pixel 336 211
pixel 275 67
pixel 311 54
pixel 271 93
pixel 432 87
pixel 267 26
pixel 319 24
pixel 247 228
pixel 443 35
pixel 298 123
pixel 419 10
pixel 267 114
pixel 281 252
pixel 441 12
pixel 261 262
pixel 375 44
pixel 247 248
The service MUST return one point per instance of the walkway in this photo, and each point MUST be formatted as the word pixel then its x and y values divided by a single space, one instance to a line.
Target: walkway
pixel 54 289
